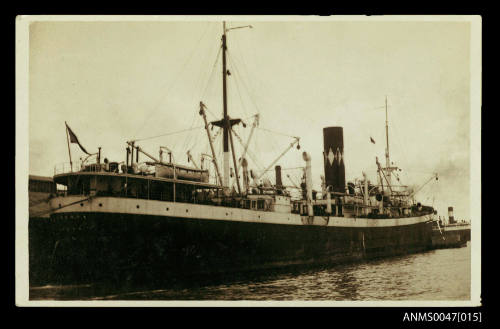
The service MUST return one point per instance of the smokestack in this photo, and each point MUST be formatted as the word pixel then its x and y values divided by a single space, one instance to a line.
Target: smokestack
pixel 333 151
pixel 451 219
pixel 279 183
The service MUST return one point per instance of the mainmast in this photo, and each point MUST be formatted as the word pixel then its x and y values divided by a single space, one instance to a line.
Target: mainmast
pixel 226 122
pixel 225 118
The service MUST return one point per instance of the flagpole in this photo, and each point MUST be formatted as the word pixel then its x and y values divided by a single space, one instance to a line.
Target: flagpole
pixel 69 149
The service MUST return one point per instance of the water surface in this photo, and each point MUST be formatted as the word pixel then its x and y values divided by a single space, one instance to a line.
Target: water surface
pixel 435 275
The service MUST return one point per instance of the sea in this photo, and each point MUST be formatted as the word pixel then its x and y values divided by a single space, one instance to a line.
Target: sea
pixel 443 274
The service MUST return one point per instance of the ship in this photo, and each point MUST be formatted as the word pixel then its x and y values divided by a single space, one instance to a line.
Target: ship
pixel 153 220
pixel 453 234
pixel 40 190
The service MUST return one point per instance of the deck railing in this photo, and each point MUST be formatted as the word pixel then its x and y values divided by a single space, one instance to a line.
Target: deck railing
pixel 66 167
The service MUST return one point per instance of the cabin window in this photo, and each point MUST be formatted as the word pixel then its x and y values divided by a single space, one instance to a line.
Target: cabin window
pixel 260 204
pixel 254 204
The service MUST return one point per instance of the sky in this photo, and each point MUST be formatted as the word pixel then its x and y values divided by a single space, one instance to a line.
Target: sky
pixel 118 81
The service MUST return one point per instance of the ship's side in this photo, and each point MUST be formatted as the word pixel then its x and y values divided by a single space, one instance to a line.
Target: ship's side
pixel 147 225
pixel 453 234
pixel 40 189
pixel 153 220
pixel 450 236
pixel 156 219
pixel 106 238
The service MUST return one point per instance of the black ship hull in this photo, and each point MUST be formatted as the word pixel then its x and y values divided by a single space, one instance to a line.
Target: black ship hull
pixel 92 246
pixel 450 238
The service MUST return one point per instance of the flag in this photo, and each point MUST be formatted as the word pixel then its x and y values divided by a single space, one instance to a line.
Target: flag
pixel 74 139
pixel 372 140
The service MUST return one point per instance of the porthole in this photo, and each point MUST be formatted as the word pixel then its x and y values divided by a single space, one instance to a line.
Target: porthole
pixel 100 204
pixel 186 210
pixel 167 208
pixel 81 204
pixel 137 206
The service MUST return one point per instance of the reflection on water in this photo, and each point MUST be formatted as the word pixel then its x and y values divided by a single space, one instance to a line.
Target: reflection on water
pixel 435 275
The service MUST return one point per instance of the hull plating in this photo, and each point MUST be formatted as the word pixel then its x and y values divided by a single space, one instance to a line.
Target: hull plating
pixel 90 246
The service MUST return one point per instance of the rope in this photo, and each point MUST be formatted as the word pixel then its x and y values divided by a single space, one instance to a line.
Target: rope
pixel 156 107
pixel 285 169
pixel 205 66
pixel 246 87
pixel 211 73
pixel 252 157
pixel 237 85
pixel 186 140
pixel 206 108
pixel 167 134
pixel 275 132
pixel 243 64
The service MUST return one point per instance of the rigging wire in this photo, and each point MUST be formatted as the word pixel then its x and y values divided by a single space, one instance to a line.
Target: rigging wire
pixel 186 140
pixel 395 132
pixel 275 132
pixel 167 134
pixel 189 137
pixel 217 133
pixel 211 113
pixel 163 95
pixel 237 85
pixel 211 73
pixel 240 61
pixel 252 156
pixel 194 142
pixel 270 142
pixel 246 87
pixel 198 86
pixel 286 169
pixel 206 67
pixel 244 66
